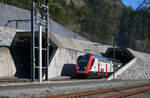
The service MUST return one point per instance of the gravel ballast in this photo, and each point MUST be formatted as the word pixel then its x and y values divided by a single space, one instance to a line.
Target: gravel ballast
pixel 61 87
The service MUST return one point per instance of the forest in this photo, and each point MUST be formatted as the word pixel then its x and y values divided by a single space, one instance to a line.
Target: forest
pixel 96 20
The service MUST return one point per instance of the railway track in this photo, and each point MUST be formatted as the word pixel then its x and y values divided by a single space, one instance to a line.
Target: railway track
pixel 123 91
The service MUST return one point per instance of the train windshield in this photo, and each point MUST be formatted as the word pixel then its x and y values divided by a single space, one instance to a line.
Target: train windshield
pixel 83 60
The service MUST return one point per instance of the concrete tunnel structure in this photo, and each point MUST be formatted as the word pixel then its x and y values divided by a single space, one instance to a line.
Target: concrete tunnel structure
pixel 122 54
pixel 63 55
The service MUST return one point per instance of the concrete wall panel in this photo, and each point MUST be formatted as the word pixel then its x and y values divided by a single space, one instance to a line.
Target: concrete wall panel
pixel 8 12
pixel 63 63
pixel 7 66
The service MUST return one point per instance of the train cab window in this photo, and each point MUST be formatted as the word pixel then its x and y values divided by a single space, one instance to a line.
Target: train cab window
pixel 83 61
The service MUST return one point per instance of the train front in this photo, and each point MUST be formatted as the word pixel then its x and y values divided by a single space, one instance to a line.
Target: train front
pixel 84 64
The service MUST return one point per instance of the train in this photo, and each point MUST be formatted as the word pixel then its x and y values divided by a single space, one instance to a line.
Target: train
pixel 95 66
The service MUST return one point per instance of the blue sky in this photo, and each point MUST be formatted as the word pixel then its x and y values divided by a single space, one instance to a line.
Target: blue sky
pixel 133 3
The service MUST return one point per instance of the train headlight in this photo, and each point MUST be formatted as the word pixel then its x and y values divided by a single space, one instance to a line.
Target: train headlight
pixel 78 67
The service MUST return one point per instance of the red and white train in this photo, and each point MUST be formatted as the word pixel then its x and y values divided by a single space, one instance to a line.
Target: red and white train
pixel 95 66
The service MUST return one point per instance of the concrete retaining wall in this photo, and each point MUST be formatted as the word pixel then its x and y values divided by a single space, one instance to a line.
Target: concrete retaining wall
pixel 7 66
pixel 64 59
pixel 122 69
pixel 63 63
pixel 140 69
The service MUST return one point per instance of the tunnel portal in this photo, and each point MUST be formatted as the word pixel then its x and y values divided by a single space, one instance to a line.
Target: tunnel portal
pixel 122 54
pixel 21 53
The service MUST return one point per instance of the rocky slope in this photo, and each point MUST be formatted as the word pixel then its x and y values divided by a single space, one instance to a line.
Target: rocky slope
pixel 144 5
pixel 140 69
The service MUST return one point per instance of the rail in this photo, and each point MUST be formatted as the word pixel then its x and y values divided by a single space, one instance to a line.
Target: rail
pixel 88 93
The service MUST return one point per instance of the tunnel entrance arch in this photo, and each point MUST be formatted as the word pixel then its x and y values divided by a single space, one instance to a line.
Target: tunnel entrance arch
pixel 122 54
pixel 21 53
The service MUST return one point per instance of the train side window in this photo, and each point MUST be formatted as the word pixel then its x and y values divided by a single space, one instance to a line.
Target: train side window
pixel 92 63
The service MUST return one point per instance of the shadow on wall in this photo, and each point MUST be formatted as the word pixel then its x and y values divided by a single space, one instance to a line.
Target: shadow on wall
pixel 69 70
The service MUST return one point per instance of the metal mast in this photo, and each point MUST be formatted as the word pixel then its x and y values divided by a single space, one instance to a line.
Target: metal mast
pixel 40 59
pixel 114 38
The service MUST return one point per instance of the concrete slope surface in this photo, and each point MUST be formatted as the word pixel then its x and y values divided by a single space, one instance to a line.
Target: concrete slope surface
pixel 73 44
pixel 6 36
pixel 140 69
pixel 8 12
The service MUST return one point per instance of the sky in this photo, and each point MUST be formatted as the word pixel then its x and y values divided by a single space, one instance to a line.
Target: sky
pixel 133 3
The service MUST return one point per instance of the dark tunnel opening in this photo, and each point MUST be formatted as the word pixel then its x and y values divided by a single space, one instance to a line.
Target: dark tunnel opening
pixel 21 53
pixel 122 54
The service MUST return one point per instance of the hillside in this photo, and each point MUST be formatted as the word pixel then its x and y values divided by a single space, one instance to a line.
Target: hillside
pixel 144 5
pixel 93 18
pixel 97 19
